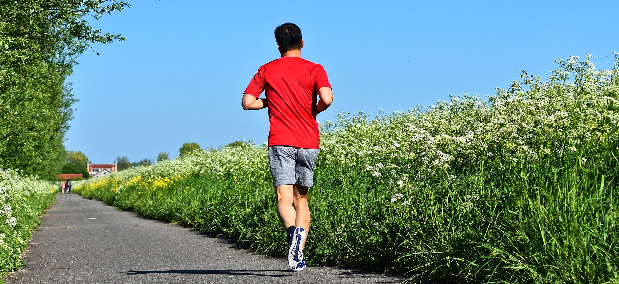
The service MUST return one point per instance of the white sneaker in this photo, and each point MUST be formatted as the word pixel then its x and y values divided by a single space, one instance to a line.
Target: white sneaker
pixel 295 253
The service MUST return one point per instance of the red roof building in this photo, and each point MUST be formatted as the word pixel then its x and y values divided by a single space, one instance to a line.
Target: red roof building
pixel 69 177
pixel 96 170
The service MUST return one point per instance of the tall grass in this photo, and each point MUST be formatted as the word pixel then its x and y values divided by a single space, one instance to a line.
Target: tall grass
pixel 22 201
pixel 520 188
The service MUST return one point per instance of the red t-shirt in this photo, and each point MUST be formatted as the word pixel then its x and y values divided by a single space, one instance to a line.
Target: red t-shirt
pixel 291 87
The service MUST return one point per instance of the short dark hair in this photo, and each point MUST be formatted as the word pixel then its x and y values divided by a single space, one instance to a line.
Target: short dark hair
pixel 288 36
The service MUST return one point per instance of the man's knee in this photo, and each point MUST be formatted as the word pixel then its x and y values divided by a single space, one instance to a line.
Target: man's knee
pixel 300 191
pixel 284 193
pixel 300 196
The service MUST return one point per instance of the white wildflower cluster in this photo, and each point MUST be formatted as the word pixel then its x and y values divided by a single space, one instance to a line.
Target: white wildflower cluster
pixel 399 199
pixel 396 197
pixel 6 209
pixel 527 122
pixel 468 202
pixel 375 170
pixel 11 221
pixel 402 181
pixel 6 214
pixel 15 190
pixel 3 244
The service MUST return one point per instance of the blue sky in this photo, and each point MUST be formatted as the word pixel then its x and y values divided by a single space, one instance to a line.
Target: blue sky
pixel 180 75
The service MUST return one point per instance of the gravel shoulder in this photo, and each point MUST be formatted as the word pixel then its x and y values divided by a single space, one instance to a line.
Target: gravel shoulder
pixel 86 241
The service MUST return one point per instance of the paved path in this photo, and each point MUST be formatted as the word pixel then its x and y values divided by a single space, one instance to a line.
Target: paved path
pixel 86 241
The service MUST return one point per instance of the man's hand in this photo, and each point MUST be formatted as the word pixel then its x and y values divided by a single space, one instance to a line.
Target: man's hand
pixel 252 103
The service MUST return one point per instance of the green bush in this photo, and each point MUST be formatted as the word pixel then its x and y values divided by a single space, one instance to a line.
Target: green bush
pixel 22 201
pixel 517 189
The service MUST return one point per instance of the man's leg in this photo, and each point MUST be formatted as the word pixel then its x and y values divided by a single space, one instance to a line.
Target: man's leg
pixel 292 207
pixel 290 166
pixel 302 210
pixel 285 209
pixel 294 216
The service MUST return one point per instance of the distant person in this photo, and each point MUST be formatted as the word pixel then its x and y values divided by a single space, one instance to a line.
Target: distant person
pixel 62 184
pixel 68 186
pixel 293 87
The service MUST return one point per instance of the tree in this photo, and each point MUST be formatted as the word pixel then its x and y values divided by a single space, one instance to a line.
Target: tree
pixel 146 162
pixel 163 156
pixel 73 168
pixel 122 163
pixel 237 144
pixel 77 158
pixel 189 147
pixel 39 43
pixel 77 163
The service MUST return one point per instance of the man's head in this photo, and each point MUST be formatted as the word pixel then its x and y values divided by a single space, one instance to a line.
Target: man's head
pixel 288 37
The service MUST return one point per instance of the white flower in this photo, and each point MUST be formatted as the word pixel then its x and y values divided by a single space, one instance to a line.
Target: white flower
pixel 396 197
pixel 11 221
pixel 466 206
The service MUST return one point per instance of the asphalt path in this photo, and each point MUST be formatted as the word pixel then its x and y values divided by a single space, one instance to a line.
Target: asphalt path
pixel 86 241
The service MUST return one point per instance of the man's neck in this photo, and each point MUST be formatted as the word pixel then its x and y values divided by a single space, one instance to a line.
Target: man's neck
pixel 292 53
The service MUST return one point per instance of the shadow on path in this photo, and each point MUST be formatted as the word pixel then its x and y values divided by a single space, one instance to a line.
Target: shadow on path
pixel 223 271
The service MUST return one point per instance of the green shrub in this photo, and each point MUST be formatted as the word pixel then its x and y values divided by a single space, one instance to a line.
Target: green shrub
pixel 517 189
pixel 22 201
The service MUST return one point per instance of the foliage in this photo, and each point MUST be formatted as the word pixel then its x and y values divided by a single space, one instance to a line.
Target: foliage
pixel 163 156
pixel 22 200
pixel 123 163
pixel 517 189
pixel 77 158
pixel 77 163
pixel 238 144
pixel 188 148
pixel 73 168
pixel 39 41
pixel 146 162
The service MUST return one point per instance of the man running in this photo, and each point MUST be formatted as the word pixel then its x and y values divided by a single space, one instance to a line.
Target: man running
pixel 296 90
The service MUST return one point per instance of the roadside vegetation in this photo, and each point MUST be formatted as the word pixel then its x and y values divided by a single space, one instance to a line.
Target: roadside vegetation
pixel 22 200
pixel 519 188
pixel 39 43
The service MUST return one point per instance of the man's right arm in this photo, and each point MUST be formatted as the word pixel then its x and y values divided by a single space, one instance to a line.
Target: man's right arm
pixel 252 103
pixel 326 98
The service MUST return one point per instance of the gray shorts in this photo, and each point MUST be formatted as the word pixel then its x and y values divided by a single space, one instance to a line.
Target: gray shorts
pixel 291 165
